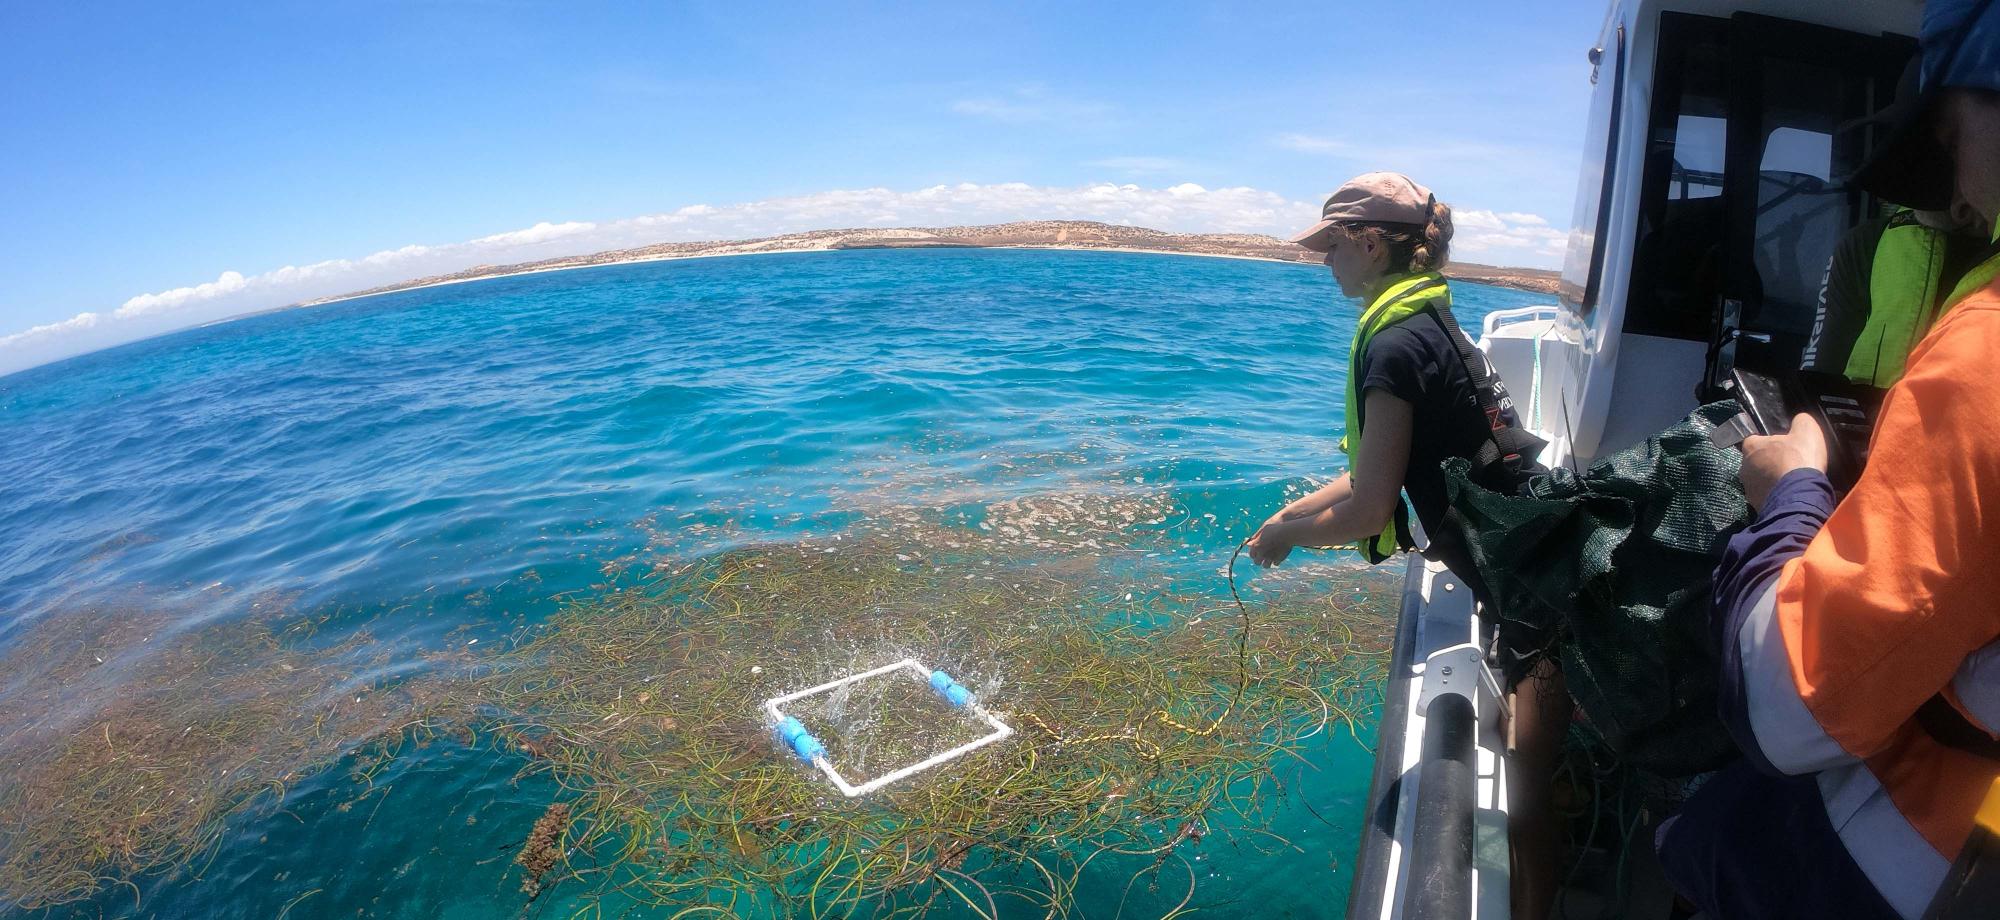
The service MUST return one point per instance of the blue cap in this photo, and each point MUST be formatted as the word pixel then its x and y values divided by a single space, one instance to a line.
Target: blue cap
pixel 1974 26
pixel 1960 48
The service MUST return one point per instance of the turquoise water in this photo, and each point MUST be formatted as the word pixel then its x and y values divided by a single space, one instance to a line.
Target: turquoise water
pixel 442 466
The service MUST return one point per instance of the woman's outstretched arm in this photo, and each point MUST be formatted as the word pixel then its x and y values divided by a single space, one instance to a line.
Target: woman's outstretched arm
pixel 1326 496
pixel 1373 487
pixel 1322 498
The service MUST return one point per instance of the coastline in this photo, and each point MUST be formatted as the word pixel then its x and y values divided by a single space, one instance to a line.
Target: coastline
pixel 1067 236
pixel 1062 235
pixel 423 284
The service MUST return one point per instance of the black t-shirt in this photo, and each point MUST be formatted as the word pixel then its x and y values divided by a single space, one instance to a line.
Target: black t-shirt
pixel 1414 361
pixel 1843 299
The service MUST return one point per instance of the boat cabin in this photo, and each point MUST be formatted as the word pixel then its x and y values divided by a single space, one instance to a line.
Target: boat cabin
pixel 1709 200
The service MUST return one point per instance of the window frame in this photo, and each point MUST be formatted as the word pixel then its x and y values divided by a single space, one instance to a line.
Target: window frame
pixel 1585 304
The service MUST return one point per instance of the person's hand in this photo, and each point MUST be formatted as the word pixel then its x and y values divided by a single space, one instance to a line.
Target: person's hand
pixel 1270 546
pixel 1767 458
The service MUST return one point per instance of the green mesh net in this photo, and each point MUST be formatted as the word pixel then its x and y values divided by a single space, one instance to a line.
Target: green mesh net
pixel 1609 572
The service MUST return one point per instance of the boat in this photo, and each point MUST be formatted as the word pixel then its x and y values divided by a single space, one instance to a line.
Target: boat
pixel 1708 203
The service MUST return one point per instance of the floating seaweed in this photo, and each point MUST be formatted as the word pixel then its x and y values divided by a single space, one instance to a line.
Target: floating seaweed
pixel 543 848
pixel 1139 720
pixel 131 740
pixel 1150 713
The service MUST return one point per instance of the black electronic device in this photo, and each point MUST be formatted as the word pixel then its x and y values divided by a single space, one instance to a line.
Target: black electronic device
pixel 1845 410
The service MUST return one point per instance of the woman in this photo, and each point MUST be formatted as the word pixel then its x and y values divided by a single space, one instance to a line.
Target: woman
pixel 1413 400
pixel 1418 394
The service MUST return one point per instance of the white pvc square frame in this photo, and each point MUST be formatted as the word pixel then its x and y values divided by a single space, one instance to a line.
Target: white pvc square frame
pixel 773 708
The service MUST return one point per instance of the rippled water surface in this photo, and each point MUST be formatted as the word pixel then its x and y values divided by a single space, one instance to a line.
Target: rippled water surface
pixel 424 471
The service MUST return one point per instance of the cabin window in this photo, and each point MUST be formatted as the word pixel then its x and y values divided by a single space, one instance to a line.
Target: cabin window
pixel 1741 199
pixel 1677 260
pixel 1800 209
pixel 1698 153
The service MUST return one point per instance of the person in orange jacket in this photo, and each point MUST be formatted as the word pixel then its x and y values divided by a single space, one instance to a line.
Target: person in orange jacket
pixel 1861 641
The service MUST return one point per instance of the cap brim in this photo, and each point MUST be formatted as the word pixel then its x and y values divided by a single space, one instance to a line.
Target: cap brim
pixel 1908 167
pixel 1317 238
pixel 1888 117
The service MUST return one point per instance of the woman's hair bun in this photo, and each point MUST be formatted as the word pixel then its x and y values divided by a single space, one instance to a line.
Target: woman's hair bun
pixel 1434 247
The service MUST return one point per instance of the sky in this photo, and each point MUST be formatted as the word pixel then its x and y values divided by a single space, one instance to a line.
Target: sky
pixel 164 165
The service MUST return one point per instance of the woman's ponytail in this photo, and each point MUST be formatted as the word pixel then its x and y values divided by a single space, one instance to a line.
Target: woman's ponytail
pixel 1434 248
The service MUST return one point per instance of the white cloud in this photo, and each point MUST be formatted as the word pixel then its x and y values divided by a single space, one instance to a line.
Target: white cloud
pixel 1028 104
pixel 1497 237
pixel 1504 238
pixel 1186 207
pixel 539 233
pixel 1463 220
pixel 227 283
pixel 1449 167
pixel 1306 143
pixel 995 108
pixel 1413 158
pixel 1140 165
pixel 74 324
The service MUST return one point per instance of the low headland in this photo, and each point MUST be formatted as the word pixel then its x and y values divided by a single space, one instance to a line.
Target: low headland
pixel 1031 234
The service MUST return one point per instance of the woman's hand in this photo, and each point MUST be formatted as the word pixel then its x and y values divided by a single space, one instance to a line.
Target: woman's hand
pixel 1271 544
pixel 1767 459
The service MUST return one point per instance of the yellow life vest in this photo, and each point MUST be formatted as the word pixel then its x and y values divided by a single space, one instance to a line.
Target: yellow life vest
pixel 1980 276
pixel 1903 289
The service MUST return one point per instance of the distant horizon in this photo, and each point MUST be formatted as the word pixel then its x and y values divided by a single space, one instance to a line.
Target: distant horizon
pixel 849 238
pixel 502 271
pixel 234 295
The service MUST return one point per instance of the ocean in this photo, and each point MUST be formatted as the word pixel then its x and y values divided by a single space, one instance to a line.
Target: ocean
pixel 238 563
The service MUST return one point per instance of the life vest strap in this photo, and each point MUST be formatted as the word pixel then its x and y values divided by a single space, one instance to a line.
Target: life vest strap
pixel 1505 444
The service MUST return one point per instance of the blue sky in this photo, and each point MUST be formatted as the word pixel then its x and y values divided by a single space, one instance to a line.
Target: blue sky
pixel 169 163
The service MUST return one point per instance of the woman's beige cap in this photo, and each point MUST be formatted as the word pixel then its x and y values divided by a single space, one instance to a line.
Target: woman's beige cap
pixel 1376 198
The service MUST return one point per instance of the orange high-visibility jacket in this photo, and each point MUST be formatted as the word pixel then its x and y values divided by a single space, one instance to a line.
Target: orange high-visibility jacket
pixel 1835 634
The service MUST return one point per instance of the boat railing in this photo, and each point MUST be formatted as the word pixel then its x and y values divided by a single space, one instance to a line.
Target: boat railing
pixel 1499 319
pixel 1440 883
pixel 1517 358
pixel 1437 787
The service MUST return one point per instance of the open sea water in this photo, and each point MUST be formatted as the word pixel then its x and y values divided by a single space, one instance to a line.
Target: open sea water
pixel 436 468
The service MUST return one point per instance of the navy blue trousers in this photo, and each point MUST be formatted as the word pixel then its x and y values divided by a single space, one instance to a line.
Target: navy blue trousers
pixel 1750 846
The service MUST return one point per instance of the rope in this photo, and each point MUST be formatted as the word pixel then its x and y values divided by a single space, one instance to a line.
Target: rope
pixel 1535 380
pixel 1148 749
pixel 1242 656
